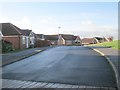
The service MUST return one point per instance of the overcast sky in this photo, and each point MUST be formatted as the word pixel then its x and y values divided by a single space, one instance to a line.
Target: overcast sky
pixel 86 19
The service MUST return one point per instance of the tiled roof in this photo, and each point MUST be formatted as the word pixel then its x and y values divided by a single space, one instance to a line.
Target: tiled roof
pixel 10 29
pixel 88 40
pixel 51 37
pixel 67 36
pixel 39 35
pixel 26 32
pixel 74 38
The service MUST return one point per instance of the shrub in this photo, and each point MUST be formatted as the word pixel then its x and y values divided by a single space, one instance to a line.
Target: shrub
pixel 6 46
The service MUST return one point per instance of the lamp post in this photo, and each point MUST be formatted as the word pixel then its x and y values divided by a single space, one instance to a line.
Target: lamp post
pixel 58 34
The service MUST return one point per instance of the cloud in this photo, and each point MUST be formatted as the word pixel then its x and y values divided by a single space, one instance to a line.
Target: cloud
pixel 4 20
pixel 44 21
pixel 87 22
pixel 23 22
pixel 88 28
pixel 46 25
pixel 49 25
pixel 26 20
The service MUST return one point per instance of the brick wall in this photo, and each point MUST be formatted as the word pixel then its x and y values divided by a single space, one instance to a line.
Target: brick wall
pixel 42 43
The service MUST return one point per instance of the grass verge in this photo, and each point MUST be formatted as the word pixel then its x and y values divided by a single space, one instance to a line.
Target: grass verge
pixel 114 44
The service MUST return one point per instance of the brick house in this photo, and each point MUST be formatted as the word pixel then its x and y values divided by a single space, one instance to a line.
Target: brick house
pixel 64 39
pixel 12 34
pixel 104 39
pixel 41 41
pixel 52 38
pixel 28 38
pixel 71 39
pixel 86 41
pixel 15 35
pixel 77 40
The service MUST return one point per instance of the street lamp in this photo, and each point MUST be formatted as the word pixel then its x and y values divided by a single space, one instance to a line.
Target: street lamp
pixel 58 34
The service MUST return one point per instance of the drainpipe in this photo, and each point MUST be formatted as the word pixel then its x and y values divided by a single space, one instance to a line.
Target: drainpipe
pixel 19 36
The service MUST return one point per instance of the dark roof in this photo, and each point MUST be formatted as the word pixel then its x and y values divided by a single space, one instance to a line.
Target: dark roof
pixel 26 32
pixel 51 37
pixel 39 35
pixel 35 35
pixel 10 29
pixel 99 38
pixel 74 38
pixel 67 36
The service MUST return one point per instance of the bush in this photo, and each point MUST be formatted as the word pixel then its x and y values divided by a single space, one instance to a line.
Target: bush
pixel 6 46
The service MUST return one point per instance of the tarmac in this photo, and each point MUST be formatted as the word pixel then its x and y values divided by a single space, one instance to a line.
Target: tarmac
pixel 112 56
pixel 75 65
pixel 11 57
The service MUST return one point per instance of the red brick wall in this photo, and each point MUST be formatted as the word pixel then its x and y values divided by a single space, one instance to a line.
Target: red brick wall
pixel 15 40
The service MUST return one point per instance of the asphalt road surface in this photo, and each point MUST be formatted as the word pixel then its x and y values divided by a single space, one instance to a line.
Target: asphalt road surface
pixel 64 64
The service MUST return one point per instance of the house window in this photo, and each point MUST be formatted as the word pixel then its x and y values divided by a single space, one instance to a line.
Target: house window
pixel 31 40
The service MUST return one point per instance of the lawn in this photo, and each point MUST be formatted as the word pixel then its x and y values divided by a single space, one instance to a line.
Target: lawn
pixel 113 44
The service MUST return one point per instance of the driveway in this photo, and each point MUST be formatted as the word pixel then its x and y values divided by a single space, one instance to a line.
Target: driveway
pixel 65 64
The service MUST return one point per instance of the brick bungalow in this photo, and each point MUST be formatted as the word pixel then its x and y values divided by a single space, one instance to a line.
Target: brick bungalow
pixel 14 35
pixel 103 39
pixel 77 40
pixel 86 41
pixel 71 39
pixel 41 41
pixel 52 38
pixel 64 39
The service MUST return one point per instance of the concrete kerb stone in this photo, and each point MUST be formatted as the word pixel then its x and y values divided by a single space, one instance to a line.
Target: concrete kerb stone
pixel 111 64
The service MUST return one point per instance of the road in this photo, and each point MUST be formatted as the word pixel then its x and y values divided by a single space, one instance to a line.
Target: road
pixel 65 64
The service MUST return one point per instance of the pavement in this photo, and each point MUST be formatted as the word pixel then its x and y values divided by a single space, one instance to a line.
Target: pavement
pixel 11 57
pixel 76 65
pixel 29 85
pixel 112 55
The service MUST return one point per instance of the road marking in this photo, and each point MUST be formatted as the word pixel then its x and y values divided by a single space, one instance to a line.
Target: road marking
pixel 38 50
